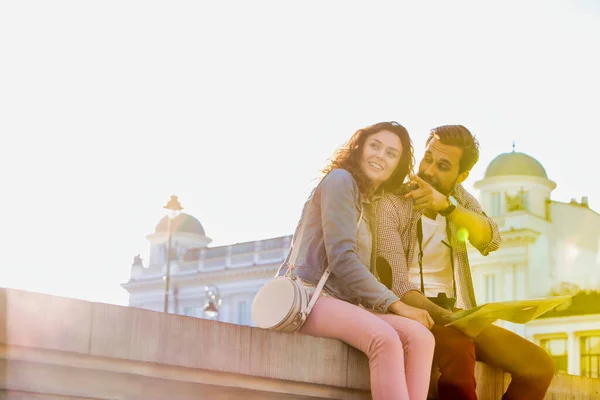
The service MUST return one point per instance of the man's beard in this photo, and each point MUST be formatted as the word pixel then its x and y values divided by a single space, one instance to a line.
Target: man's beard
pixel 437 185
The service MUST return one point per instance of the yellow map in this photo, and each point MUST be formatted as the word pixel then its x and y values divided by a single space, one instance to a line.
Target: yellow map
pixel 472 322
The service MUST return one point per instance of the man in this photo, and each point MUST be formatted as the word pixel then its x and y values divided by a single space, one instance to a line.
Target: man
pixel 421 237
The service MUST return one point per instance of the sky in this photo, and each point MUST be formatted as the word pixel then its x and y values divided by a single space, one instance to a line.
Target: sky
pixel 109 107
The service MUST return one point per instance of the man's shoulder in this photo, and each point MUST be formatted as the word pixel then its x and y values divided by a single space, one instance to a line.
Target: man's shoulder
pixel 397 202
pixel 394 198
pixel 399 193
pixel 465 198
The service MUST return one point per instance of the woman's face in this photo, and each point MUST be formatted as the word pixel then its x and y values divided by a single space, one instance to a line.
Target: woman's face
pixel 380 157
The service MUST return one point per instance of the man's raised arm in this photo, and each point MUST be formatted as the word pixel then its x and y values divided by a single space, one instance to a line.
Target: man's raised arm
pixel 483 231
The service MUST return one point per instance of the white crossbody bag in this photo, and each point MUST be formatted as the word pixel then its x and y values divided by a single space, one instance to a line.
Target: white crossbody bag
pixel 282 303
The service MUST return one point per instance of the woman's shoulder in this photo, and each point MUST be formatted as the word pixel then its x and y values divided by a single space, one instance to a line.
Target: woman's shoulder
pixel 339 181
pixel 339 176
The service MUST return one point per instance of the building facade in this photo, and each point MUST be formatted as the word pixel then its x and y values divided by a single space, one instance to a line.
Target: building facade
pixel 237 271
pixel 548 248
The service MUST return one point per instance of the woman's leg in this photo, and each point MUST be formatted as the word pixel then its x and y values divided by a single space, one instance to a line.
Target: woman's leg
pixel 333 318
pixel 419 344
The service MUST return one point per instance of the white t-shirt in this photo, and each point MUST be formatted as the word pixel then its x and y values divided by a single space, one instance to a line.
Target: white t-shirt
pixel 437 268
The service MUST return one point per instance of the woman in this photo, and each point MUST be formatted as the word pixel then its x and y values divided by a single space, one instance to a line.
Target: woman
pixel 354 306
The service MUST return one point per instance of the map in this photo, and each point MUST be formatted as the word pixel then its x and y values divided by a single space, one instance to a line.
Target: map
pixel 472 322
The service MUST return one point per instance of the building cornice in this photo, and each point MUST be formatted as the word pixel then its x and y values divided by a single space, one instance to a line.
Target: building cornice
pixel 221 276
pixel 565 319
pixel 576 205
pixel 484 183
pixel 519 237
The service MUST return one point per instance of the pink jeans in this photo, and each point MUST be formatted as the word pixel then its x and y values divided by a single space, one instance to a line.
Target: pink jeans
pixel 400 350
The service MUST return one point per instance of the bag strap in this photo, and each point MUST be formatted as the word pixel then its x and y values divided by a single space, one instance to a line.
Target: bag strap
pixel 317 292
pixel 297 241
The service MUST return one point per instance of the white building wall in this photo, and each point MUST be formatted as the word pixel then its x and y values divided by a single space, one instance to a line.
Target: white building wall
pixel 577 233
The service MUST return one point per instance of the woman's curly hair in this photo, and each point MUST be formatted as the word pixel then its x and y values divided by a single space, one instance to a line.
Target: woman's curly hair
pixel 348 157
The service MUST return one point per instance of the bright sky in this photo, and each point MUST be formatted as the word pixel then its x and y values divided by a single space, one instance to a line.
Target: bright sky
pixel 108 107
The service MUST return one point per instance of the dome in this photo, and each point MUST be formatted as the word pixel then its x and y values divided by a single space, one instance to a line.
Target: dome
pixel 183 223
pixel 515 164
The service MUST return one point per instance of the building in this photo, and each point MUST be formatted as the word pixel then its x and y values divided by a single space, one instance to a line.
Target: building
pixel 548 247
pixel 236 270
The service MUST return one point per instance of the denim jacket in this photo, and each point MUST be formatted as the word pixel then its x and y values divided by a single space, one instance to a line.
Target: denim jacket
pixel 331 238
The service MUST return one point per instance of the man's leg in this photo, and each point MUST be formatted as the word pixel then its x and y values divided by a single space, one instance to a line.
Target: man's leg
pixel 455 356
pixel 531 368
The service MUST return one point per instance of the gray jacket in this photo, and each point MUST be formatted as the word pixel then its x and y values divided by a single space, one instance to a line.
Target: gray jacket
pixel 332 238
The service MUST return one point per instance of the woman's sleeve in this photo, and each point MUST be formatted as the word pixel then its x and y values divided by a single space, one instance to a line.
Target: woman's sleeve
pixel 339 216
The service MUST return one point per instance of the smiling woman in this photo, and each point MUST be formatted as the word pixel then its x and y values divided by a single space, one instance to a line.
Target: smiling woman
pixel 331 255
pixel 382 144
pixel 380 157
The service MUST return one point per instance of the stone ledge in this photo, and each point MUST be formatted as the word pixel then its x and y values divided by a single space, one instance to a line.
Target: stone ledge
pixel 103 330
pixel 71 375
pixel 72 349
pixel 17 395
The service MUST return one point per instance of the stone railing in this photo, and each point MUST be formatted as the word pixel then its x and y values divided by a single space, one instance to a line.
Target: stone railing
pixel 58 348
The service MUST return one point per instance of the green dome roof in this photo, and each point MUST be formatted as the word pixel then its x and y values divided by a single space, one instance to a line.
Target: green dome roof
pixel 515 164
pixel 183 223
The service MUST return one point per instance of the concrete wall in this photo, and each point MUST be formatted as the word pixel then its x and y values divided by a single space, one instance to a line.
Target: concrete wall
pixel 59 348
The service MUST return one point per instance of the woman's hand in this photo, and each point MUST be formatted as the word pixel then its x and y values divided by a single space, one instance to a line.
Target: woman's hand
pixel 419 315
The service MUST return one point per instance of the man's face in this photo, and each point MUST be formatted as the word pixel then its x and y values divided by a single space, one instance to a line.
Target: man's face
pixel 440 166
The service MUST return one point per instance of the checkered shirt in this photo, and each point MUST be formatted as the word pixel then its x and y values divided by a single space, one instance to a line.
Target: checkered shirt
pixel 397 239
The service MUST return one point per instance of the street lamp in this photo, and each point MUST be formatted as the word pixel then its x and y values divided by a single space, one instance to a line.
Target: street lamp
pixel 213 301
pixel 173 209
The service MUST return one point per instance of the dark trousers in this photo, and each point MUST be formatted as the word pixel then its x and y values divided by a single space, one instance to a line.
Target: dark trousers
pixel 531 368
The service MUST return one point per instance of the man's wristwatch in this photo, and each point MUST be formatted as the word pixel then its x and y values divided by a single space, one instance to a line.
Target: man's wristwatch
pixel 447 211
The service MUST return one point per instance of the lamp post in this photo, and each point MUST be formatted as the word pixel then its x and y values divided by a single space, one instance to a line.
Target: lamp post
pixel 173 209
pixel 213 301
pixel 176 298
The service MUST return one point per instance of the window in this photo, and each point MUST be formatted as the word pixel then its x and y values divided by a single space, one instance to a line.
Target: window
pixel 490 288
pixel 517 202
pixel 557 348
pixel 525 195
pixel 162 253
pixel 216 252
pixel 496 204
pixel 191 255
pixel 590 356
pixel 242 314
